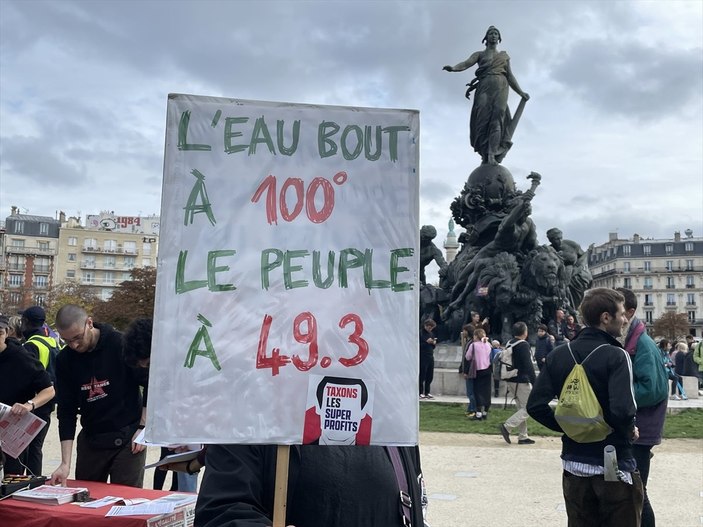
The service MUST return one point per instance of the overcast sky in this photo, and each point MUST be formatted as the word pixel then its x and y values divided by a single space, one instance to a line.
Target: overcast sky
pixel 614 123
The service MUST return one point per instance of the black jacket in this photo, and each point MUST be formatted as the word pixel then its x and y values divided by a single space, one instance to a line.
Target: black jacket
pixel 238 485
pixel 522 360
pixel 21 375
pixel 609 371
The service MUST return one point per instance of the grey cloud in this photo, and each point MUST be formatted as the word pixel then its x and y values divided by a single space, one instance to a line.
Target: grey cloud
pixel 29 159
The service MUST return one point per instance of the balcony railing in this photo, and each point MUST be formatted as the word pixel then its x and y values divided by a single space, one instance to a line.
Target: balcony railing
pixel 44 269
pixel 13 249
pixel 16 267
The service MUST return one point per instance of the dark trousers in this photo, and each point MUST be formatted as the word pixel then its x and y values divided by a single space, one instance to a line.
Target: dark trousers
pixel 426 371
pixel 160 475
pixel 643 455
pixel 482 389
pixel 594 502
pixel 33 456
pixel 470 395
pixel 675 385
pixel 122 467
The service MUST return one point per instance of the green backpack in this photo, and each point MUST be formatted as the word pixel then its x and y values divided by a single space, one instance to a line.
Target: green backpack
pixel 578 411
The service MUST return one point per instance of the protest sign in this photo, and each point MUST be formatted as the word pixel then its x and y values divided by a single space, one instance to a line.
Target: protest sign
pixel 287 285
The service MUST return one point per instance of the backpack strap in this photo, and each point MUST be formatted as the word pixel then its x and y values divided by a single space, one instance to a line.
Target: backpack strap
pixel 406 501
pixel 568 345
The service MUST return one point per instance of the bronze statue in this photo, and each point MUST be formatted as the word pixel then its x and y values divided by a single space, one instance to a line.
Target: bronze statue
pixel 491 125
pixel 578 277
pixel 429 251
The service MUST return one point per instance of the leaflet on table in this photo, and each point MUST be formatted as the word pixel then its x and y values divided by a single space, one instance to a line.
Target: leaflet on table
pixel 175 458
pixel 17 431
pixel 140 439
pixel 183 517
pixel 109 500
pixel 143 509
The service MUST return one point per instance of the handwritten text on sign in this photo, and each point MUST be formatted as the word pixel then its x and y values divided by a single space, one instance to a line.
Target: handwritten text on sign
pixel 289 237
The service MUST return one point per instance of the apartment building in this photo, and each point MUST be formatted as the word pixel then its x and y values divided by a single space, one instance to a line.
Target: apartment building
pixel 27 259
pixel 665 274
pixel 102 253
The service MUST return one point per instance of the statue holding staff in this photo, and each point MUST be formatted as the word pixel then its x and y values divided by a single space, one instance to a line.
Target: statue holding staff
pixel 491 126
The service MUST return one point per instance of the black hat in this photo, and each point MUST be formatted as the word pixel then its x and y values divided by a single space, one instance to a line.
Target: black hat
pixel 35 314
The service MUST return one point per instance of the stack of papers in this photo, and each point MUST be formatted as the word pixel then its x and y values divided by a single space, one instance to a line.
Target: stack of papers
pixel 49 494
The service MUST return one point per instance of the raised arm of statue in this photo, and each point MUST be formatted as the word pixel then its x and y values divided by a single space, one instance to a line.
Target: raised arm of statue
pixel 465 65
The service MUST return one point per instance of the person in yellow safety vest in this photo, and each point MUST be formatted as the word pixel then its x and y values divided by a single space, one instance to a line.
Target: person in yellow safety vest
pixel 45 349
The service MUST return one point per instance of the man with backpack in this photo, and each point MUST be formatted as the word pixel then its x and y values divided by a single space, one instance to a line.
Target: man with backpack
pixel 591 499
pixel 45 349
pixel 651 385
pixel 519 374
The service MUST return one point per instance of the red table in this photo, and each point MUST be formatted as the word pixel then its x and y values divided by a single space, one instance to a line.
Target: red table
pixel 17 513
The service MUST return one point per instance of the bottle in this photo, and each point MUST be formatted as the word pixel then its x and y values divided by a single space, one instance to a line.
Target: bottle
pixel 610 463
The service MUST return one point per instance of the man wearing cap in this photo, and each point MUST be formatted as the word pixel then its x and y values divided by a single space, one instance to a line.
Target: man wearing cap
pixel 93 379
pixel 24 384
pixel 45 349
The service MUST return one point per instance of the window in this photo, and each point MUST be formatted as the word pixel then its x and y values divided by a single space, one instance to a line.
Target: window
pixel 43 228
pixel 648 299
pixel 670 299
pixel 647 265
pixel 41 281
pixel 90 244
pixel 89 262
pixel 20 243
pixel 110 246
pixel 147 249
pixel 692 317
pixel 42 264
pixel 129 262
pixel 690 282
pixel 43 246
pixel 15 280
pixel 16 263
pixel 669 248
pixel 648 282
pixel 626 267
pixel 72 241
pixel 146 262
pixel 648 318
pixel 691 299
pixel 626 250
pixel 88 277
pixel 71 257
pixel 40 299
pixel 19 227
pixel 110 262
pixel 689 265
pixel 647 250
pixel 15 298
pixel 109 277
pixel 669 282
pixel 688 247
pixel 627 283
pixel 130 247
pixel 669 265
pixel 70 273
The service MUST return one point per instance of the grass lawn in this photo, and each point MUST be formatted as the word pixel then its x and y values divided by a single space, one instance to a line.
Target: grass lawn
pixel 450 417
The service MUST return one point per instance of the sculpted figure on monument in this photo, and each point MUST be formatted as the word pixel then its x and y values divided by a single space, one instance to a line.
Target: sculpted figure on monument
pixel 429 252
pixel 491 126
pixel 577 277
pixel 516 235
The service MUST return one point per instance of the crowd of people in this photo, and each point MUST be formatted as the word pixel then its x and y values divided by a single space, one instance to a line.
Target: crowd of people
pixel 630 377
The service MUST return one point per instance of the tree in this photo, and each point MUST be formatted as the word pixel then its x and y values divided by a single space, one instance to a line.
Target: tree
pixel 671 325
pixel 69 292
pixel 132 299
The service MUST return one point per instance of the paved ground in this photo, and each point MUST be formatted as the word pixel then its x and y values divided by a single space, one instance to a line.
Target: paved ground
pixel 480 481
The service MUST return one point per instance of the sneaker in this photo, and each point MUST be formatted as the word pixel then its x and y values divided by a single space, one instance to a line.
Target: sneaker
pixel 676 397
pixel 422 397
pixel 684 398
pixel 429 396
pixel 527 441
pixel 470 414
pixel 477 417
pixel 504 432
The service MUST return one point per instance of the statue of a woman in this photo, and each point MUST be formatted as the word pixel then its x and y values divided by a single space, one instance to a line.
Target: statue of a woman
pixel 491 125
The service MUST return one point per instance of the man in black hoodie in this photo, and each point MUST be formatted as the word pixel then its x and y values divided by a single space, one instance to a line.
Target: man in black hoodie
pixel 93 379
pixel 590 500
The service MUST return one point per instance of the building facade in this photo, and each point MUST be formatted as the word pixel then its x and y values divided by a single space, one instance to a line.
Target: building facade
pixel 103 253
pixel 29 247
pixel 665 274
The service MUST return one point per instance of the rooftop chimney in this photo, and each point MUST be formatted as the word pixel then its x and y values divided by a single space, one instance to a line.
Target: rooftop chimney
pixel 677 236
pixel 612 236
pixel 636 238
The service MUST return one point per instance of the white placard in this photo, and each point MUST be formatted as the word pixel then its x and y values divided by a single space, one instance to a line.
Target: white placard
pixel 288 260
